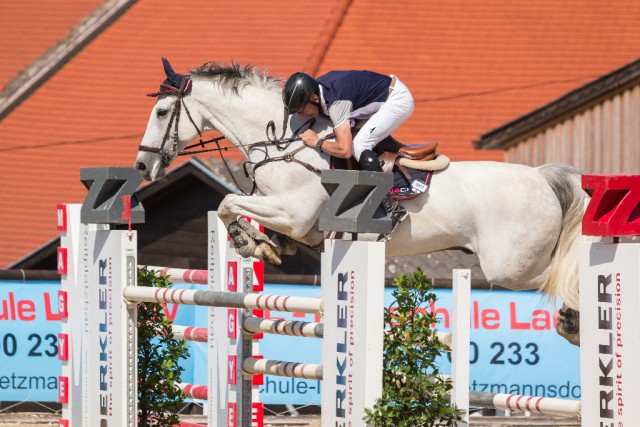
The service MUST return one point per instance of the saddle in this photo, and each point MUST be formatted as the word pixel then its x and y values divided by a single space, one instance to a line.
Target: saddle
pixel 421 152
pixel 392 152
pixel 410 180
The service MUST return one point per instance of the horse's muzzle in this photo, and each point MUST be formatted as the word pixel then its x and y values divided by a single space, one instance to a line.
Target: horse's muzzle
pixel 141 167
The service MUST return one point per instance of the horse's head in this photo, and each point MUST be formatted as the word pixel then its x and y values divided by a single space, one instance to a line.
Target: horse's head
pixel 173 123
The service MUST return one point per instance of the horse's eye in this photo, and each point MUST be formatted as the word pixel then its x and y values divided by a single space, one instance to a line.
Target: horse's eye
pixel 162 113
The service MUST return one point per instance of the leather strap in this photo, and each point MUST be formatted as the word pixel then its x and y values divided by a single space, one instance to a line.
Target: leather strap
pixel 394 79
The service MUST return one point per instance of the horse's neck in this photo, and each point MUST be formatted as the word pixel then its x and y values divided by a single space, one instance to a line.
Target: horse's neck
pixel 244 119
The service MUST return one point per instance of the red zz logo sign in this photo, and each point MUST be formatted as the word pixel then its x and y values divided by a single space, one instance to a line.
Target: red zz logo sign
pixel 614 209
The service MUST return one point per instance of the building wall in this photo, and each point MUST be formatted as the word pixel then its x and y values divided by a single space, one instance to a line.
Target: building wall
pixel 602 138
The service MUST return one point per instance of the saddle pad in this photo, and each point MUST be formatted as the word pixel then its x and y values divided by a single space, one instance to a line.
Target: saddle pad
pixel 411 186
pixel 404 187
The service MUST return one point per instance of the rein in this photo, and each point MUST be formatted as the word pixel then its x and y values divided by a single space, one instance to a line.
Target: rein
pixel 282 143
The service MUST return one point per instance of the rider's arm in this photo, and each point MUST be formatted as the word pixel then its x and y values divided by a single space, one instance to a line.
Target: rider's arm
pixel 341 147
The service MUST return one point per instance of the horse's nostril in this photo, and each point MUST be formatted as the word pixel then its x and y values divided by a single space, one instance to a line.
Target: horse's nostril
pixel 141 166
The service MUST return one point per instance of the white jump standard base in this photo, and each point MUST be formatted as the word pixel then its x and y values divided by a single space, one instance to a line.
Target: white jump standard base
pixel 610 333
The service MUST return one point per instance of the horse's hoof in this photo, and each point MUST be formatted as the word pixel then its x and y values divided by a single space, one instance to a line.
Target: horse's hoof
pixel 245 246
pixel 252 232
pixel 568 325
pixel 265 252
pixel 284 244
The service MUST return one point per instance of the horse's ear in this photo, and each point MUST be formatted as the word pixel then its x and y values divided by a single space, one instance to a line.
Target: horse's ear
pixel 168 69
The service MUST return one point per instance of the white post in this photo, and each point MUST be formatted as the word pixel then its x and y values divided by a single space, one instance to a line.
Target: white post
pixel 610 333
pixel 99 333
pixel 353 293
pixel 70 306
pixel 110 264
pixel 218 343
pixel 233 395
pixel 461 335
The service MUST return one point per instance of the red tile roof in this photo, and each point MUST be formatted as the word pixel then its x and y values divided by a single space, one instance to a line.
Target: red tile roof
pixel 94 110
pixel 29 29
pixel 474 65
pixel 471 65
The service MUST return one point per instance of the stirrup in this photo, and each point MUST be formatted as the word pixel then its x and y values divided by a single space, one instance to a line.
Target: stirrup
pixel 397 214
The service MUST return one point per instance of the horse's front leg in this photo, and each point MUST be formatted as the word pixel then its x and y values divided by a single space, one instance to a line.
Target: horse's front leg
pixel 283 216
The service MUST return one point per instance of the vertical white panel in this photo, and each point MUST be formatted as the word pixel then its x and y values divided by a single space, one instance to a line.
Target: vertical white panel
pixel 588 151
pixel 461 336
pixel 111 381
pixel 577 147
pixel 607 154
pixel 218 343
pixel 353 293
pixel 609 333
pixel 625 138
pixel 73 324
pixel 615 143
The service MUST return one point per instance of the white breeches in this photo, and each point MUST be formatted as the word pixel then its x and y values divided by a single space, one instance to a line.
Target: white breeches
pixel 388 118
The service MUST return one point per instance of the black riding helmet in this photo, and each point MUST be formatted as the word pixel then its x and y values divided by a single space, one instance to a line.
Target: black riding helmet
pixel 297 92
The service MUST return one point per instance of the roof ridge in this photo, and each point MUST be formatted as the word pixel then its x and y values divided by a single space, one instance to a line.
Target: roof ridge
pixel 320 48
pixel 40 70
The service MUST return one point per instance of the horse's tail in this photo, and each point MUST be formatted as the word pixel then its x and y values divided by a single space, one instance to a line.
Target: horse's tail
pixel 562 278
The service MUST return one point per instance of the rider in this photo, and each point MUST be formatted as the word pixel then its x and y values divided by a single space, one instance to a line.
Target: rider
pixel 345 95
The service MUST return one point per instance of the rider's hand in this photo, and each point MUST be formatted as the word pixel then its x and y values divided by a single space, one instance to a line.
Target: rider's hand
pixel 309 138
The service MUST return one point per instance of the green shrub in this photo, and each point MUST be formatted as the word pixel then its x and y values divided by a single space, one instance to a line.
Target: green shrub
pixel 158 356
pixel 414 394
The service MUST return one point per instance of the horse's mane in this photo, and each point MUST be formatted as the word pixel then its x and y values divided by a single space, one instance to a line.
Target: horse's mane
pixel 236 76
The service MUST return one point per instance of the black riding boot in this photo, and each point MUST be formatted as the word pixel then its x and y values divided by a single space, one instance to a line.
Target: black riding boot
pixel 369 162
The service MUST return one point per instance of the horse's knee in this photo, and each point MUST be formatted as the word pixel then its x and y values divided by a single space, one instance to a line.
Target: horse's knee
pixel 226 209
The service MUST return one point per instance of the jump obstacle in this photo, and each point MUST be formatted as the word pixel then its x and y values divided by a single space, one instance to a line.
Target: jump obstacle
pixel 99 274
pixel 610 288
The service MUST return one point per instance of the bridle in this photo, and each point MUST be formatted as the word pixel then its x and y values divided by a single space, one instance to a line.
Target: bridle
pixel 168 155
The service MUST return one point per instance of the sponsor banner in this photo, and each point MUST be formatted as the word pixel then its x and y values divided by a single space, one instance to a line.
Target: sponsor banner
pixel 514 346
pixel 29 328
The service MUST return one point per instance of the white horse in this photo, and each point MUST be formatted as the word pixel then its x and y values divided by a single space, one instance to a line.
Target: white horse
pixel 522 222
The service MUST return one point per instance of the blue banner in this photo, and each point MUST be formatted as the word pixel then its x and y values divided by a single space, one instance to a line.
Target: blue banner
pixel 29 328
pixel 514 346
